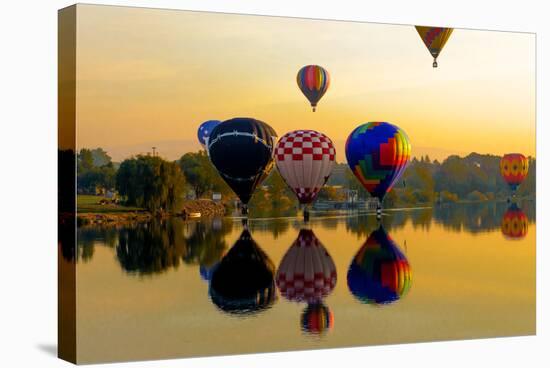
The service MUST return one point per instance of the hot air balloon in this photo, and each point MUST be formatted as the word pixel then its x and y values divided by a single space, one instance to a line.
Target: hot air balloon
pixel 379 273
pixel 313 81
pixel 307 272
pixel 514 223
pixel 514 168
pixel 305 159
pixel 207 271
pixel 242 149
pixel 434 38
pixel 317 319
pixel 243 283
pixel 204 131
pixel 378 153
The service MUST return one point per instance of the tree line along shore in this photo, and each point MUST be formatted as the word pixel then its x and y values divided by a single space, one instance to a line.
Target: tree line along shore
pixel 144 187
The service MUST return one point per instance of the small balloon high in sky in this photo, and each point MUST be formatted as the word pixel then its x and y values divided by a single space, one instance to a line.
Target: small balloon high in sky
pixel 313 81
pixel 435 39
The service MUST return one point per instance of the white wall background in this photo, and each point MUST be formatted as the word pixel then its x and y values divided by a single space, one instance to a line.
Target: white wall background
pixel 28 143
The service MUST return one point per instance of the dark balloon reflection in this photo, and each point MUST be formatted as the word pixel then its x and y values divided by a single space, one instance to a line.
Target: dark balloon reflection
pixel 243 282
pixel 514 223
pixel 379 273
pixel 307 274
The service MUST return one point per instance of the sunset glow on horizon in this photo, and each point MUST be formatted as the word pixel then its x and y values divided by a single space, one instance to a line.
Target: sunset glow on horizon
pixel 149 77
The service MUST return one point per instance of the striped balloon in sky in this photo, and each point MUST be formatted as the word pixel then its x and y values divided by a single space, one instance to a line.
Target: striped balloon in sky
pixel 313 81
pixel 305 159
pixel 434 38
pixel 378 153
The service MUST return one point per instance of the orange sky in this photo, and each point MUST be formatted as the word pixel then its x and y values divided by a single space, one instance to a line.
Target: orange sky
pixel 149 77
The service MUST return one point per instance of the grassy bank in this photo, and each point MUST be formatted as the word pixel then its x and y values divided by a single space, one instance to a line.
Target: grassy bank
pixel 91 204
pixel 99 210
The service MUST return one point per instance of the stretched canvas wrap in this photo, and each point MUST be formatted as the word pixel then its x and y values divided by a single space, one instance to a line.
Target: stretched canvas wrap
pixel 235 184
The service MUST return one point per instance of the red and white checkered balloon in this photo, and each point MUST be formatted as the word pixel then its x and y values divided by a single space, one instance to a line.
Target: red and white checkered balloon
pixel 307 272
pixel 305 159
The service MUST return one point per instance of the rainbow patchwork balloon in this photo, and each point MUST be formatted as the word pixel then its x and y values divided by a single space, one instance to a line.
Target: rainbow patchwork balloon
pixel 379 273
pixel 514 168
pixel 514 223
pixel 378 153
pixel 434 38
pixel 313 81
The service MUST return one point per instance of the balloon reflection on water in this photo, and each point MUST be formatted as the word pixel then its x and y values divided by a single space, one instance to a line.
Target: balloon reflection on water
pixel 316 319
pixel 243 282
pixel 514 223
pixel 379 273
pixel 307 274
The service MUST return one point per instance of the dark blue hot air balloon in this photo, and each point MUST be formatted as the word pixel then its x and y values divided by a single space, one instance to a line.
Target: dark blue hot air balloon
pixel 242 149
pixel 204 131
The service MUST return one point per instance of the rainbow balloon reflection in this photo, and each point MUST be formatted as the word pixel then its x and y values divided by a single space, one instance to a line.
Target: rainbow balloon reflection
pixel 379 273
pixel 317 319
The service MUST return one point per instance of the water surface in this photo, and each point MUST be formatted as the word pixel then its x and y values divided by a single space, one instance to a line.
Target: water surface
pixel 191 288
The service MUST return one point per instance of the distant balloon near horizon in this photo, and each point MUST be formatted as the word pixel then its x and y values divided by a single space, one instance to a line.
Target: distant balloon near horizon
pixel 313 81
pixel 379 273
pixel 435 39
pixel 514 224
pixel 378 153
pixel 204 131
pixel 242 150
pixel 514 168
pixel 206 271
pixel 305 159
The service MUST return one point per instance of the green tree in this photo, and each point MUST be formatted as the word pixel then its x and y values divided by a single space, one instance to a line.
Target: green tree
pixel 201 175
pixel 85 160
pixel 152 183
pixel 95 170
pixel 100 157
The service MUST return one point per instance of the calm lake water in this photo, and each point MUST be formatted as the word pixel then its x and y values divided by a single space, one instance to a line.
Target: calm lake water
pixel 192 288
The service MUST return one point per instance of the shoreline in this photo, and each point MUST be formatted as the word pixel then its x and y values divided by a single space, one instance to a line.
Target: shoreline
pixel 117 215
pixel 206 208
